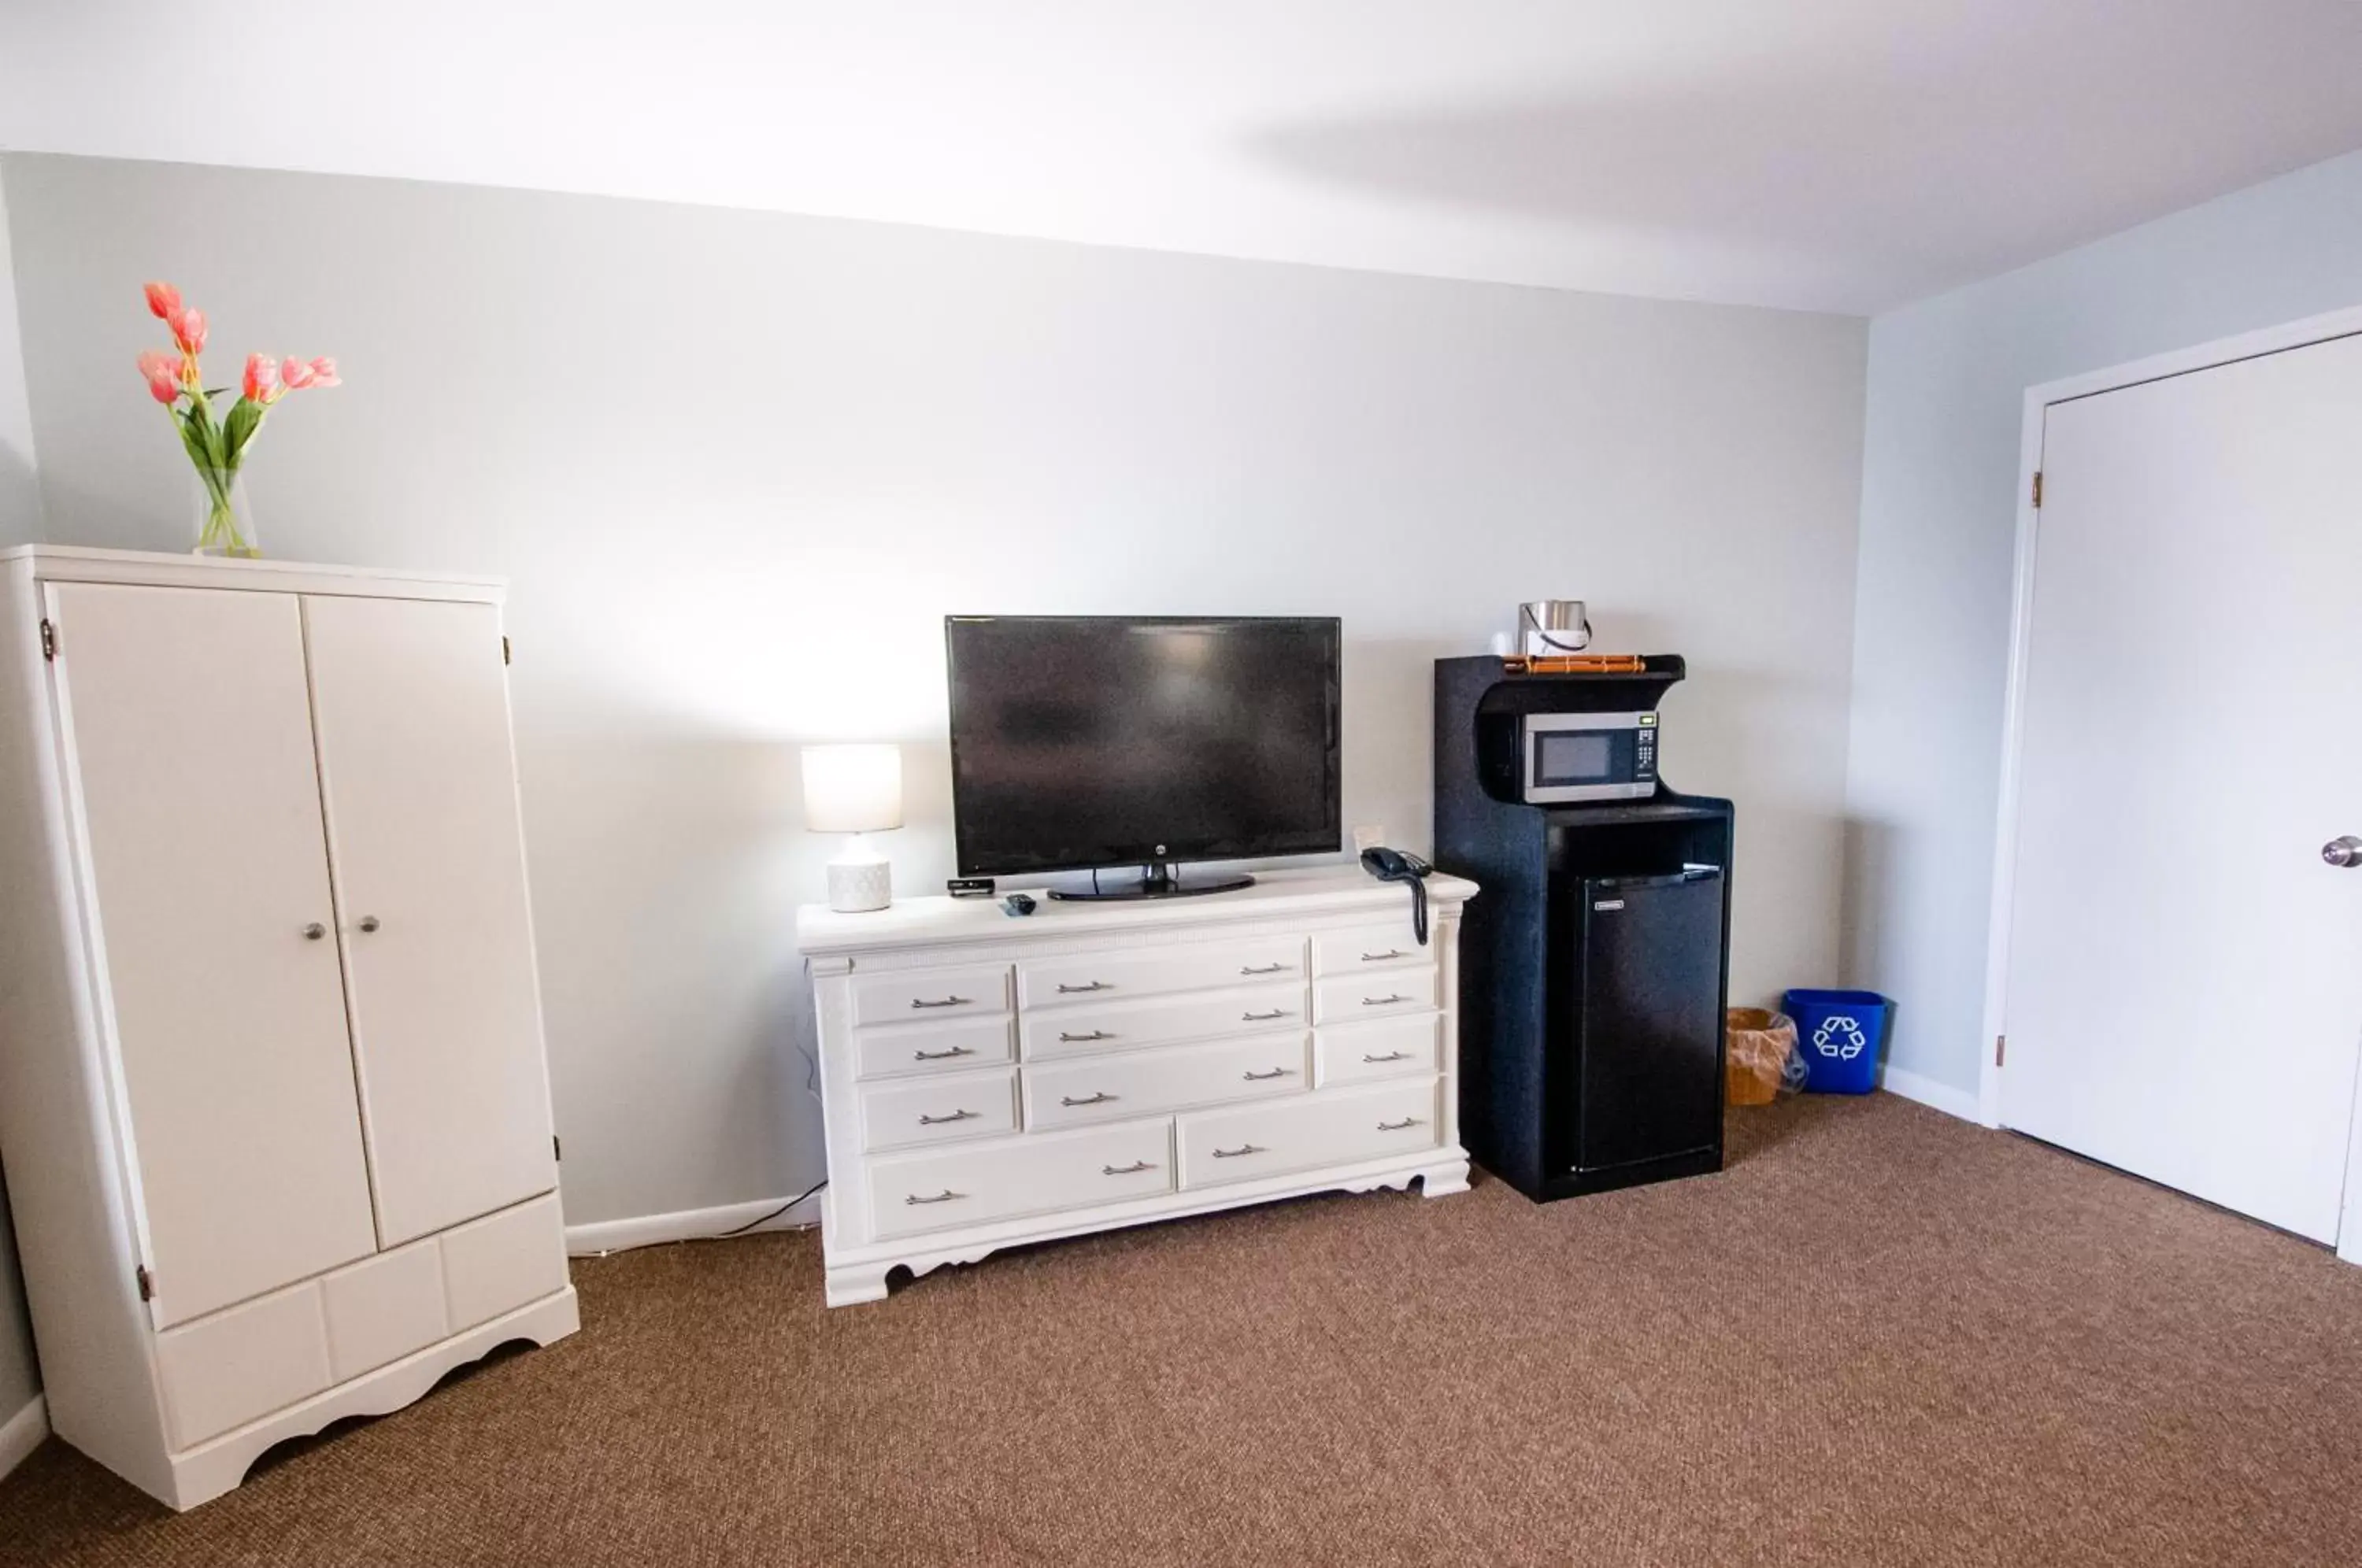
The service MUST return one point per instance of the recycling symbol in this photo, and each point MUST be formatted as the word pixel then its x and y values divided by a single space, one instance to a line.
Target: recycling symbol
pixel 1839 1036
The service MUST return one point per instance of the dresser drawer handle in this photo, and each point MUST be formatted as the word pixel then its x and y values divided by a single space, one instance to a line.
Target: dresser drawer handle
pixel 1084 1039
pixel 1389 1057
pixel 1385 1001
pixel 1262 1078
pixel 1241 1149
pixel 1263 1017
pixel 1382 957
pixel 925 1121
pixel 943 1056
pixel 1398 1126
pixel 943 1197
pixel 1099 1099
pixel 947 1001
pixel 1068 991
pixel 1133 1169
pixel 1263 968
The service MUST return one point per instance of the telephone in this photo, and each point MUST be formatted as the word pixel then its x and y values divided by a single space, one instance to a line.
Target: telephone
pixel 1401 866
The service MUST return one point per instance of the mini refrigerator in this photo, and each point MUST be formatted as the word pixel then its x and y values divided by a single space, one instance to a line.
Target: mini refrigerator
pixel 1641 1052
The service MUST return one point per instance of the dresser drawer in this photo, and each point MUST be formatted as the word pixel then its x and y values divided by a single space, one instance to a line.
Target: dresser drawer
pixel 1118 1026
pixel 1357 948
pixel 229 1368
pixel 1350 998
pixel 1059 1170
pixel 1324 1128
pixel 937 1108
pixel 503 1261
pixel 946 1047
pixel 1143 1083
pixel 1392 1048
pixel 909 996
pixel 381 1309
pixel 1118 976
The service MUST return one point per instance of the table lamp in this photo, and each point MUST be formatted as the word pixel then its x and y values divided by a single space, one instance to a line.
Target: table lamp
pixel 855 790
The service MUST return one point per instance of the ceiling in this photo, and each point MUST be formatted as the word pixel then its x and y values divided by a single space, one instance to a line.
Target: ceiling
pixel 1842 155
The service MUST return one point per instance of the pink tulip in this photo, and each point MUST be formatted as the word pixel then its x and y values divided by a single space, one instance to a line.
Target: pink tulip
pixel 323 372
pixel 163 374
pixel 295 375
pixel 261 379
pixel 163 299
pixel 188 330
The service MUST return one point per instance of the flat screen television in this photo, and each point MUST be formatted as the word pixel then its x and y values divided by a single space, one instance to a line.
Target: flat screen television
pixel 1088 741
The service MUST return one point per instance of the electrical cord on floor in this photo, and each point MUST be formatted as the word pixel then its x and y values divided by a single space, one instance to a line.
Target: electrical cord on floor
pixel 718 1235
pixel 812 1087
pixel 765 1220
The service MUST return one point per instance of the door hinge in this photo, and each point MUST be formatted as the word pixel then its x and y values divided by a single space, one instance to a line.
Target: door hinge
pixel 2001 1049
pixel 505 650
pixel 2037 489
pixel 147 1283
pixel 50 641
pixel 556 1150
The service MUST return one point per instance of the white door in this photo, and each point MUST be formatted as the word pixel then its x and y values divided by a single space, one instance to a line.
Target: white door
pixel 189 747
pixel 2184 981
pixel 411 701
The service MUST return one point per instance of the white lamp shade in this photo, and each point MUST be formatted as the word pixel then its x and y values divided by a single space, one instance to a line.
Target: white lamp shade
pixel 853 788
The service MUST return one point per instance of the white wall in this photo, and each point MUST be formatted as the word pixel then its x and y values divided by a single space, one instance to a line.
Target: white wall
pixel 20 520
pixel 738 466
pixel 1940 478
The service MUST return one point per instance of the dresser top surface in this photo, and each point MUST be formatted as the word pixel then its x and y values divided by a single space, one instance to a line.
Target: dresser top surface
pixel 1275 895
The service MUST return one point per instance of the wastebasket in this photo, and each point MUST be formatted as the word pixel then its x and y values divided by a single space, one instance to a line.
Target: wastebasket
pixel 1758 1047
pixel 1838 1036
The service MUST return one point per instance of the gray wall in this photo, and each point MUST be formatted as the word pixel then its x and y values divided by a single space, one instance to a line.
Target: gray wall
pixel 738 465
pixel 20 520
pixel 1939 496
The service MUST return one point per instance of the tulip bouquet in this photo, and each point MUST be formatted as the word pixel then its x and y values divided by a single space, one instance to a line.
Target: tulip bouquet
pixel 217 446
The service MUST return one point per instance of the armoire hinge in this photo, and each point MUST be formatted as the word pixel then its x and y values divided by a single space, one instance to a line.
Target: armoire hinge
pixel 50 641
pixel 2037 489
pixel 147 1283
pixel 556 1151
pixel 2001 1049
pixel 504 652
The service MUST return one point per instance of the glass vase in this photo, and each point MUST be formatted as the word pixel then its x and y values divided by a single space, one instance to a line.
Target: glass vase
pixel 225 520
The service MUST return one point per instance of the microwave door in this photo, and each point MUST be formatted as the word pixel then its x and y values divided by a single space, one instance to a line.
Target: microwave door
pixel 1588 756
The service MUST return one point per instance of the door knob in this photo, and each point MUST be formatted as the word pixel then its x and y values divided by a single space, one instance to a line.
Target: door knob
pixel 2345 852
pixel 368 922
pixel 313 931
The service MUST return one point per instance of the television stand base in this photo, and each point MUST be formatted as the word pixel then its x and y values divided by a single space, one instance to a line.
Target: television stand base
pixel 1151 882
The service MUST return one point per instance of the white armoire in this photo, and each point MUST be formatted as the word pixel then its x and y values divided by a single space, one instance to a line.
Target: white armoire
pixel 274 1110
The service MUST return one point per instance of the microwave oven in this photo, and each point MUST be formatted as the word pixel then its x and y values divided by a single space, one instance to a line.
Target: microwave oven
pixel 1572 757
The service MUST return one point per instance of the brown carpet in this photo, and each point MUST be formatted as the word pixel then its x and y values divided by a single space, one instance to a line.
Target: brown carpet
pixel 1881 1337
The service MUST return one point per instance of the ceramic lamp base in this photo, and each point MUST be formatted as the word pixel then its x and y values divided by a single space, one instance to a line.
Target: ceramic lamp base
pixel 859 881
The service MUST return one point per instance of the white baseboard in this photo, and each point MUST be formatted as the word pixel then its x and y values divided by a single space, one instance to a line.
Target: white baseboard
pixel 23 1433
pixel 1951 1101
pixel 687 1225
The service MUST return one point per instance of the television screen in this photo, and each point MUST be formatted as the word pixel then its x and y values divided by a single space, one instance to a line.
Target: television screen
pixel 1080 742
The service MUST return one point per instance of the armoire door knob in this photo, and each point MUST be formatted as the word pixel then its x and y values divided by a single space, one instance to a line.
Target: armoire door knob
pixel 313 931
pixel 368 922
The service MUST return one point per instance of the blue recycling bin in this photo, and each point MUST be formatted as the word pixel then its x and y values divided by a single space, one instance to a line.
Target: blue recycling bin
pixel 1839 1037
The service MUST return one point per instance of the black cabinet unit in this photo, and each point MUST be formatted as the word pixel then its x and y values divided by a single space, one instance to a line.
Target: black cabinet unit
pixel 1595 965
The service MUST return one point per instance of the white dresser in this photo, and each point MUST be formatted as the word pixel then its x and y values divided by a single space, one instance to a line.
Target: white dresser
pixel 994 1079
pixel 272 1100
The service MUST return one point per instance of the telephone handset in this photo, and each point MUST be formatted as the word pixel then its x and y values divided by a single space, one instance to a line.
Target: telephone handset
pixel 1401 866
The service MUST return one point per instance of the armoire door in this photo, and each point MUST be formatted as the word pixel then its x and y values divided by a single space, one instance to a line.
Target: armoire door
pixel 188 741
pixel 410 699
pixel 2185 969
